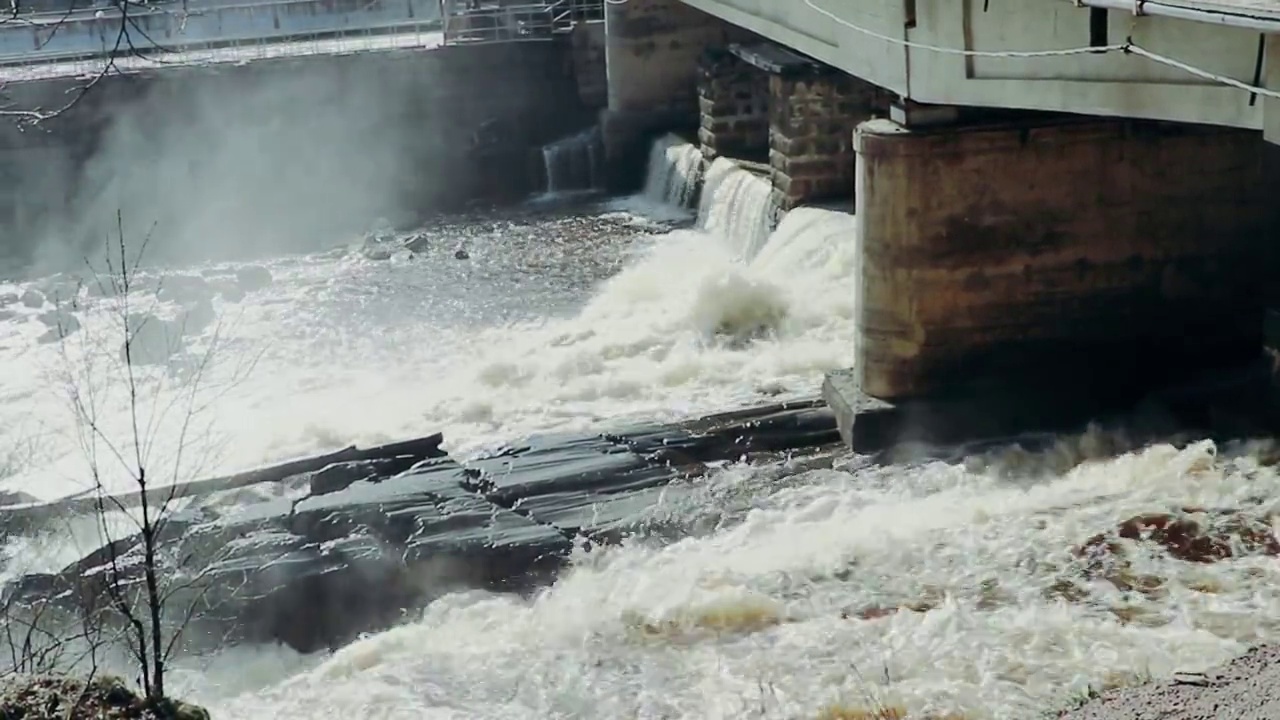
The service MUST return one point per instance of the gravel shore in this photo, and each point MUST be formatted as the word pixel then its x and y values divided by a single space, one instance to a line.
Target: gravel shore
pixel 1247 688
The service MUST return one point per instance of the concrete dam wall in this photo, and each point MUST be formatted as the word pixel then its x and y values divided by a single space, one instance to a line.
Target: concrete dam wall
pixel 280 155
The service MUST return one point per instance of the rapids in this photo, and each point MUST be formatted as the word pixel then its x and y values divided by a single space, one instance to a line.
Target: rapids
pixel 758 610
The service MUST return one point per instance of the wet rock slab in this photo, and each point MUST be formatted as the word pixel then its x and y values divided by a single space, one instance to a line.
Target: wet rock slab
pixel 374 537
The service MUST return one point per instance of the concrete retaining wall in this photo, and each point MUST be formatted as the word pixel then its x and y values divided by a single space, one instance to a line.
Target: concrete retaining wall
pixel 288 153
pixel 589 64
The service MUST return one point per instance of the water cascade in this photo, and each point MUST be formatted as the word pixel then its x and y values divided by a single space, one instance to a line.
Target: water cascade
pixel 913 589
pixel 737 204
pixel 732 202
pixel 573 163
pixel 674 173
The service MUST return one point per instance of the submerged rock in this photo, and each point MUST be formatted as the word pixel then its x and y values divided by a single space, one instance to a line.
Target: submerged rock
pixel 32 299
pixel 228 290
pixel 60 323
pixel 417 243
pixel 150 340
pixel 1191 535
pixel 252 278
pixel 16 497
pixel 184 289
pixel 376 252
pixel 196 317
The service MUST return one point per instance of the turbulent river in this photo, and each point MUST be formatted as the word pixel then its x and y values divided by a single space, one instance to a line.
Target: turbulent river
pixel 766 608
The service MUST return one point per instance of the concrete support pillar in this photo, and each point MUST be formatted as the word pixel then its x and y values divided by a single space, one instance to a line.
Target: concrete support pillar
pixel 651 51
pixel 733 99
pixel 589 64
pixel 1093 257
pixel 812 118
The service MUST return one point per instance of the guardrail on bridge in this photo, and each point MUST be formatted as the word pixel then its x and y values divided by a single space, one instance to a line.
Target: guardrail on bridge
pixel 87 34
pixel 475 21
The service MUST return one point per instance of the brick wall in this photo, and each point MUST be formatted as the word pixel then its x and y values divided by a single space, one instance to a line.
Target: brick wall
pixel 811 123
pixel 733 103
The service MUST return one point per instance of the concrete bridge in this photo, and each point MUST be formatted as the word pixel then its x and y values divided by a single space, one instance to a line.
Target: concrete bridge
pixel 1061 203
pixel 1061 199
pixel 78 41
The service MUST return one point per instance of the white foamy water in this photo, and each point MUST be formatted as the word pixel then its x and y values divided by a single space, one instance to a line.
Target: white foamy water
pixel 758 616
pixel 544 328
pixel 756 611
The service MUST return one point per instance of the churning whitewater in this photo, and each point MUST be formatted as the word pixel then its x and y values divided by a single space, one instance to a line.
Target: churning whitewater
pixel 943 588
pixel 548 325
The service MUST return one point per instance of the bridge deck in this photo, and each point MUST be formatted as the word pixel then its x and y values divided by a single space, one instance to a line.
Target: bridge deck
pixel 226 55
pixel 1269 9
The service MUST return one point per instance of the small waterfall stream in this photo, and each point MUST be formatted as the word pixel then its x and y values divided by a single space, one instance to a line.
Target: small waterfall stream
pixel 573 163
pixel 674 172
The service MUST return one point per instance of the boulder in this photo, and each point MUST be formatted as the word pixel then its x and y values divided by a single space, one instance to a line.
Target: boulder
pixel 34 697
pixel 252 278
pixel 228 290
pixel 60 324
pixel 16 497
pixel 150 340
pixel 376 252
pixel 196 317
pixel 184 289
pixel 32 299
pixel 417 243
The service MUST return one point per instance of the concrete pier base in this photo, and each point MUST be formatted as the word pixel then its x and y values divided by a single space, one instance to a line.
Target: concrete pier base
pixel 1038 272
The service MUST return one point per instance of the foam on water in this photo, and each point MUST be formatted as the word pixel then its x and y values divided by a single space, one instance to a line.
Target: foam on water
pixel 757 611
pixel 695 321
pixel 759 616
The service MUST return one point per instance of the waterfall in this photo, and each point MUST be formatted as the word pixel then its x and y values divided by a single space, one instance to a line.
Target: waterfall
pixel 737 204
pixel 675 169
pixel 573 163
pixel 732 201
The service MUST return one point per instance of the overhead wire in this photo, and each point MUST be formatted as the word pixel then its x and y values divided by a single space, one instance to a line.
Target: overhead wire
pixel 1128 47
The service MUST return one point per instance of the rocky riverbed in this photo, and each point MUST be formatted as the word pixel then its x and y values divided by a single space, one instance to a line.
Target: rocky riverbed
pixel 1247 688
pixel 351 546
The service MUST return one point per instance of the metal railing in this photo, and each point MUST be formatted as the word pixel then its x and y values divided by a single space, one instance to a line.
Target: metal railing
pixel 174 29
pixel 480 21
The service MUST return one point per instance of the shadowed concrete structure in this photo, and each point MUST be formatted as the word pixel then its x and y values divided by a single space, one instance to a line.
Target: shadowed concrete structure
pixel 652 49
pixel 1048 218
pixel 295 151
pixel 1102 254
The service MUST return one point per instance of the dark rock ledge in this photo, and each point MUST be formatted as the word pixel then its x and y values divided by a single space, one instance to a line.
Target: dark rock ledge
pixel 383 531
